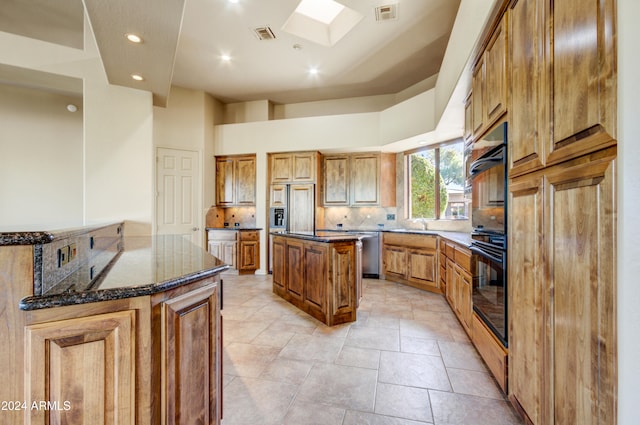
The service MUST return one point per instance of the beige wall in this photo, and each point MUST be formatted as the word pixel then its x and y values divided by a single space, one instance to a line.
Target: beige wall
pixel 41 171
pixel 117 138
pixel 628 208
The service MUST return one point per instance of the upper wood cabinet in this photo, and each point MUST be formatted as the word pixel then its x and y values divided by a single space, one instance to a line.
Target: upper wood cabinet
pixel 294 167
pixel 236 180
pixel 278 197
pixel 528 111
pixel 563 81
pixel 468 118
pixel 359 179
pixel 489 83
pixel 583 68
pixel 336 180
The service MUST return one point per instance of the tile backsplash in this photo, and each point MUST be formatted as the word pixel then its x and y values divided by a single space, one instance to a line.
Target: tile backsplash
pixel 244 216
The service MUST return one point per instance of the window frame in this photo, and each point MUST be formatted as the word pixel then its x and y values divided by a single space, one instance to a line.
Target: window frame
pixel 407 177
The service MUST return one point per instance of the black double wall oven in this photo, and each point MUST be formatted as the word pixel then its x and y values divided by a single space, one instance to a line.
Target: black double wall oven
pixel 487 172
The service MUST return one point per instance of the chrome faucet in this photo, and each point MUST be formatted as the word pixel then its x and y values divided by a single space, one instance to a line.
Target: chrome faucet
pixel 421 220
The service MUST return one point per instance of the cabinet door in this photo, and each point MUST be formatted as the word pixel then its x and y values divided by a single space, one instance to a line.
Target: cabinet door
pixel 316 258
pixel 468 117
pixel 527 296
pixel 246 181
pixel 477 106
pixel 584 77
pixel 495 94
pixel 86 366
pixel 224 250
pixel 190 333
pixel 395 261
pixel 304 166
pixel 528 111
pixel 581 208
pixel 465 285
pixel 365 179
pixel 278 196
pixel 249 256
pixel 422 267
pixel 302 208
pixel 295 269
pixel 451 284
pixel 279 249
pixel 225 181
pixel 336 180
pixel 281 168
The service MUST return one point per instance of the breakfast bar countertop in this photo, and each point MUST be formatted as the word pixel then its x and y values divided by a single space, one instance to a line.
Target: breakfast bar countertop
pixel 146 265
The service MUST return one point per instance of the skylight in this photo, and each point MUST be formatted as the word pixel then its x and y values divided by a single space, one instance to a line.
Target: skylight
pixel 324 11
pixel 322 21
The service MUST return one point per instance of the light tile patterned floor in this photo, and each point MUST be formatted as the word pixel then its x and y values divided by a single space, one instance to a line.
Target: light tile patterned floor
pixel 406 360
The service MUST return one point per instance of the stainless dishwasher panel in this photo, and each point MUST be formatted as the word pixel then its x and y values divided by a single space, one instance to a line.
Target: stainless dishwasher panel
pixel 370 253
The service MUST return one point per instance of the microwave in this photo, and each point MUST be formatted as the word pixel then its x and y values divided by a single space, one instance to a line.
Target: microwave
pixel 488 175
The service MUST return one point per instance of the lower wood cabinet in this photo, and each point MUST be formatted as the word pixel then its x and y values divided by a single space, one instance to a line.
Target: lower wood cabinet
pixel 411 259
pixel 149 360
pixel 320 278
pixel 240 249
pixel 191 353
pixel 459 278
pixel 85 368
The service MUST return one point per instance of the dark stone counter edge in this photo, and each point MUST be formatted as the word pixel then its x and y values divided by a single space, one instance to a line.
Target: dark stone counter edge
pixel 233 228
pixel 75 298
pixel 42 237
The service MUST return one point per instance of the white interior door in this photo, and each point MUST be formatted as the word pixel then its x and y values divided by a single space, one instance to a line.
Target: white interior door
pixel 178 201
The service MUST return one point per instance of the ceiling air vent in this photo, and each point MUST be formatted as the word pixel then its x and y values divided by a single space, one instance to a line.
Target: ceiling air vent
pixel 264 33
pixel 387 13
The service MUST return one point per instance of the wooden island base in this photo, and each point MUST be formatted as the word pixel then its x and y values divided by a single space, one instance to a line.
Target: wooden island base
pixel 319 273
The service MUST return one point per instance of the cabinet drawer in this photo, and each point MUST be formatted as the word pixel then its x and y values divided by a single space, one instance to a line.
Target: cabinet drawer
pixel 450 249
pixel 443 259
pixel 249 235
pixel 443 246
pixel 411 240
pixel 222 235
pixel 463 258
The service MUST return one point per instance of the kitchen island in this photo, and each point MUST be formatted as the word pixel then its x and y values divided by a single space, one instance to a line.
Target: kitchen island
pixel 320 273
pixel 105 328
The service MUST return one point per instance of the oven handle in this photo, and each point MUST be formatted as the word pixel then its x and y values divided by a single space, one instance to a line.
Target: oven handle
pixel 485 254
pixel 483 164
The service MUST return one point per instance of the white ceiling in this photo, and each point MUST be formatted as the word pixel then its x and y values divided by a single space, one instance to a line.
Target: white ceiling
pixel 374 58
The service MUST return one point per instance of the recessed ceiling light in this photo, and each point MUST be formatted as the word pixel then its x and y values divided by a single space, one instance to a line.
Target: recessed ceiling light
pixel 313 71
pixel 137 77
pixel 225 58
pixel 134 38
pixel 233 1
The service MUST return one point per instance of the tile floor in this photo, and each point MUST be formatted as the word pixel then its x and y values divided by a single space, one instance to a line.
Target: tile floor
pixel 406 360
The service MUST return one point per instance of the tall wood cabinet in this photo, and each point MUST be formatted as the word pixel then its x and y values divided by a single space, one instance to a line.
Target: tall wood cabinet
pixel 562 211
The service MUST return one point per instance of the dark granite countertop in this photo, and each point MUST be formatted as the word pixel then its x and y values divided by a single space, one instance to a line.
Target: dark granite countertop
pixel 35 236
pixel 146 265
pixel 233 228
pixel 320 236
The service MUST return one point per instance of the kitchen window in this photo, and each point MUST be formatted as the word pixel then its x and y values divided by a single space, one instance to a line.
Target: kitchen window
pixel 435 182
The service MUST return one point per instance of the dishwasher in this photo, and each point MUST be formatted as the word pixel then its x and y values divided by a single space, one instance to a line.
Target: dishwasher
pixel 370 253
